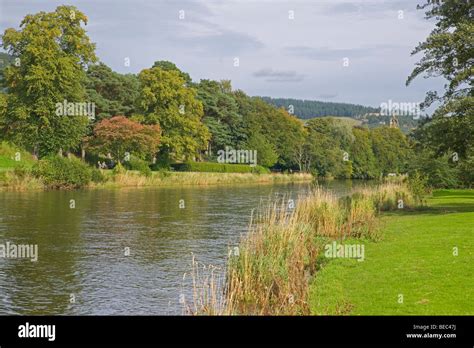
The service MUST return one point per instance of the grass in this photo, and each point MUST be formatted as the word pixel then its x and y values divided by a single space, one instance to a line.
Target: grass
pixel 283 248
pixel 12 157
pixel 134 179
pixel 415 259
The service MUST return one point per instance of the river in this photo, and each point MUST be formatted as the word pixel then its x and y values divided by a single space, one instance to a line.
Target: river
pixel 121 251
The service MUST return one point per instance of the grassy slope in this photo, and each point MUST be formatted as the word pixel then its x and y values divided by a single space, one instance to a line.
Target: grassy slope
pixel 415 258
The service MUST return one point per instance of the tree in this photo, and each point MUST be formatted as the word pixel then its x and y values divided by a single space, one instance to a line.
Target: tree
pixel 221 114
pixel 111 92
pixel 120 135
pixel 266 154
pixel 166 100
pixel 391 149
pixel 362 155
pixel 328 158
pixel 50 51
pixel 170 66
pixel 448 52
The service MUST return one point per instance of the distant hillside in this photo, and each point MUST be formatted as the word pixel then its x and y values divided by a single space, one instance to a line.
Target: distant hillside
pixel 362 115
pixel 306 109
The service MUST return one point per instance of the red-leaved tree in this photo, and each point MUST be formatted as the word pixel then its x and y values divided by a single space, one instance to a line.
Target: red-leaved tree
pixel 120 135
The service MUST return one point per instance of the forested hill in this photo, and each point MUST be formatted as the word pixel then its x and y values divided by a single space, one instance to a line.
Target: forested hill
pixel 306 109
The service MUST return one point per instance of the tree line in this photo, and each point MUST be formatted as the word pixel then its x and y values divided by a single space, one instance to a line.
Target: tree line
pixel 161 115
pixel 306 109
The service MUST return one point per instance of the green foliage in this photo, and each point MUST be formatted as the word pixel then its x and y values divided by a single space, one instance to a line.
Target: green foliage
pixel 113 93
pixel 221 114
pixel 62 172
pixel 118 169
pixel 167 101
pixel 211 167
pixel 391 149
pixel 9 154
pixel 97 176
pixel 447 52
pixel 266 153
pixel 466 172
pixel 170 66
pixel 52 50
pixel 363 159
pixel 138 164
pixel 418 185
pixel 21 171
pixel 440 172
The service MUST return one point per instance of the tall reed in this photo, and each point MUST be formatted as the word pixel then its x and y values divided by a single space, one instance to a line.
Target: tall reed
pixel 270 273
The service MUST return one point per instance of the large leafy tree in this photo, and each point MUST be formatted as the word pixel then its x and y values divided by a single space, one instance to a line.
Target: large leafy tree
pixel 120 135
pixel 166 100
pixel 170 66
pixel 51 51
pixel 282 130
pixel 448 52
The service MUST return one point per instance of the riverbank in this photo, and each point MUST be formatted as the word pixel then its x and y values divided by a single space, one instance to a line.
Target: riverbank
pixel 24 181
pixel 422 266
pixel 376 252
pixel 162 179
pixel 270 271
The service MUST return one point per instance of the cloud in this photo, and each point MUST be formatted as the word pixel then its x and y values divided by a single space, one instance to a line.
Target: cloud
pixel 328 96
pixel 331 54
pixel 218 42
pixel 271 75
pixel 367 9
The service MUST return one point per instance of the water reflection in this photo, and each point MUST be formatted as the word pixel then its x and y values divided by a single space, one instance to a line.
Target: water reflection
pixel 82 251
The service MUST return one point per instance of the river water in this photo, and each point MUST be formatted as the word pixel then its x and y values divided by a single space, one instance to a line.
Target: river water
pixel 121 251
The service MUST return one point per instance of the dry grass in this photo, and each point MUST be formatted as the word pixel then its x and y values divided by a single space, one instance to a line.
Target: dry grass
pixel 276 259
pixel 10 181
pixel 134 179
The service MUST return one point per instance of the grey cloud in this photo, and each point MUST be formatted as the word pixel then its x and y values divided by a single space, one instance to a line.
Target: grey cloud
pixel 271 75
pixel 328 96
pixel 368 9
pixel 220 43
pixel 331 54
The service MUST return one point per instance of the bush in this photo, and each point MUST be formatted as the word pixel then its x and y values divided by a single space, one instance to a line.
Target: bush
pixel 57 172
pixel 21 171
pixel 118 169
pixel 138 164
pixel 418 185
pixel 212 167
pixel 439 171
pixel 97 176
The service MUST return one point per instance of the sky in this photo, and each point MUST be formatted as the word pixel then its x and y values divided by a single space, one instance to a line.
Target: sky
pixel 355 51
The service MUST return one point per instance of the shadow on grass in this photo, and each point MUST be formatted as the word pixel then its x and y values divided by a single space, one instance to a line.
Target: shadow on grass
pixel 433 210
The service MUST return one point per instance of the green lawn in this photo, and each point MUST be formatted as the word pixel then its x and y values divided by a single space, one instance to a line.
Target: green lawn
pixel 414 259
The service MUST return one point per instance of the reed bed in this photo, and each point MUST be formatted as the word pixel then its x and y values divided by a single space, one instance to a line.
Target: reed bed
pixel 14 181
pixel 280 253
pixel 134 179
